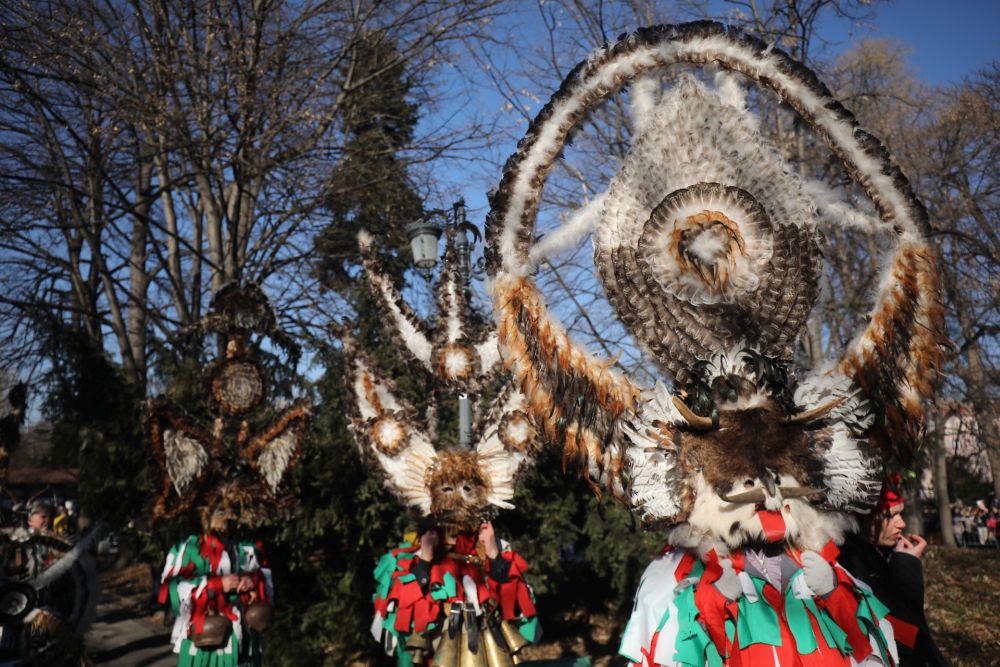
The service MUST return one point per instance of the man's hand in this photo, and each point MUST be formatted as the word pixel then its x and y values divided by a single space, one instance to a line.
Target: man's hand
pixel 230 582
pixel 246 584
pixel 911 544
pixel 819 574
pixel 488 538
pixel 428 545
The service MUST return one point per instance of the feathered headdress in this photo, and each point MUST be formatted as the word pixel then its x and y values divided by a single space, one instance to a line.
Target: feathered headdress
pixel 228 466
pixel 708 251
pixel 454 485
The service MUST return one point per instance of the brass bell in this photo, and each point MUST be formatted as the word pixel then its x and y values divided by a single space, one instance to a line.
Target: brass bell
pixel 419 646
pixel 446 654
pixel 259 616
pixel 496 653
pixel 214 633
pixel 470 657
pixel 512 637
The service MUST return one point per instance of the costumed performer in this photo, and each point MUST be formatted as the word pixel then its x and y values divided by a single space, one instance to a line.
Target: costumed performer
pixel 457 590
pixel 217 582
pixel 707 243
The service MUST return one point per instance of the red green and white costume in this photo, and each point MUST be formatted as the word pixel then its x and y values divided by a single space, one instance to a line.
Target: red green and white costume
pixel 403 607
pixel 681 619
pixel 192 584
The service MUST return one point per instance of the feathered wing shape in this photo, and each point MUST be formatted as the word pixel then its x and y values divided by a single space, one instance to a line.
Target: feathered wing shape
pixel 387 430
pixel 896 359
pixel 508 443
pixel 578 399
pixel 277 449
pixel 404 324
pixel 455 358
pixel 182 451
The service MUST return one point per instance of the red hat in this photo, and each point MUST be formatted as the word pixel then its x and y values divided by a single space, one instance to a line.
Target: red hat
pixel 890 496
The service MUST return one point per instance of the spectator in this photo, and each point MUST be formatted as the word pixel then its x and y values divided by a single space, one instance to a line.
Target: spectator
pixel 889 561
pixel 958 526
pixel 40 513
pixel 991 527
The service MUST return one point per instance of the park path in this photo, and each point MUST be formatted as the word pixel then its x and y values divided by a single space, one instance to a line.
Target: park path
pixel 128 632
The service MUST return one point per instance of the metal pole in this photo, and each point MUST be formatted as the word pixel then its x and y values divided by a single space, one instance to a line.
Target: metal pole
pixel 465 265
pixel 464 420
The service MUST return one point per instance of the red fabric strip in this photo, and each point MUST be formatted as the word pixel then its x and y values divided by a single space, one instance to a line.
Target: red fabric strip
pixel 904 633
pixel 684 567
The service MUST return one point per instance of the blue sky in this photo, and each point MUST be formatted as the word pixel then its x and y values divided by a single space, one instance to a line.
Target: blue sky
pixel 949 40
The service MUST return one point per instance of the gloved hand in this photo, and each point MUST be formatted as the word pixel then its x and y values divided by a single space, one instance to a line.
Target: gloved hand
pixel 819 574
pixel 729 583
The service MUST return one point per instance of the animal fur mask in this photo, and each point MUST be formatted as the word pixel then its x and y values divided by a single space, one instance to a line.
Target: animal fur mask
pixel 707 249
pixel 459 488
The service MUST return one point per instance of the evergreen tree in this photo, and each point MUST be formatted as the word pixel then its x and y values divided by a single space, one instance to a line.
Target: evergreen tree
pixel 325 557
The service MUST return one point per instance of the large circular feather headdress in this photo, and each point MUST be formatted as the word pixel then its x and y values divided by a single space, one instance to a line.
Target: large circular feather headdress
pixel 707 249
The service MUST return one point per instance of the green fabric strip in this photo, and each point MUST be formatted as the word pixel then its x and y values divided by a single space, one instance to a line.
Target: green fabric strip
pixel 694 646
pixel 757 622
pixel 529 629
pixel 870 612
pixel 383 575
pixel 447 589
pixel 833 634
pixel 798 620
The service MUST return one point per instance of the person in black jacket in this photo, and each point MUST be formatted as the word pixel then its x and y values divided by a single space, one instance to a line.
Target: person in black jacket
pixel 886 559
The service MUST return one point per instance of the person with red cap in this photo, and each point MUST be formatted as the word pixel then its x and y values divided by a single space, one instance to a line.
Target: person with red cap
pixel 888 560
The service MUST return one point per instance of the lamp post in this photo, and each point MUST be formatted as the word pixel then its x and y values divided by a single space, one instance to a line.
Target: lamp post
pixel 424 235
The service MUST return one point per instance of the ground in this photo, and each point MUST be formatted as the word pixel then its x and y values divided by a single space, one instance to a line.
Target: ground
pixel 129 630
pixel 962 602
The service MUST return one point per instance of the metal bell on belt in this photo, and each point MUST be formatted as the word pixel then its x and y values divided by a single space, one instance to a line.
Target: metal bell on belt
pixel 471 651
pixel 496 652
pixel 447 654
pixel 419 646
pixel 512 637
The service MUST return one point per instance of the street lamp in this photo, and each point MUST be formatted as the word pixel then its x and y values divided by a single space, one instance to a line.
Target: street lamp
pixel 424 235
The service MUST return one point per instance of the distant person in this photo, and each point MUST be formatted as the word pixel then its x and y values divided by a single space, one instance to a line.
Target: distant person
pixel 958 526
pixel 889 561
pixel 61 524
pixel 40 513
pixel 991 526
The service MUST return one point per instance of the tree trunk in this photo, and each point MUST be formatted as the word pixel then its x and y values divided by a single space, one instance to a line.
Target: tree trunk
pixel 940 474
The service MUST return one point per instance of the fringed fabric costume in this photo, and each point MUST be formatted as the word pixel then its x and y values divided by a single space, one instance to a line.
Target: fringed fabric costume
pixel 229 477
pixel 415 597
pixel 191 584
pixel 459 601
pixel 680 618
pixel 707 244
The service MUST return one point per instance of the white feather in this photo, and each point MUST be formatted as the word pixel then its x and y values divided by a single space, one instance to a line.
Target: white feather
pixel 567 235
pixel 489 353
pixel 186 458
pixel 273 461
